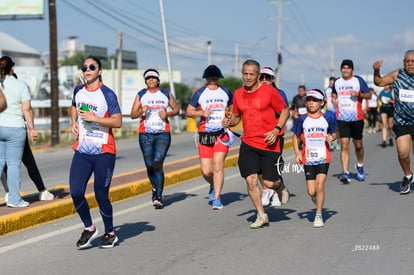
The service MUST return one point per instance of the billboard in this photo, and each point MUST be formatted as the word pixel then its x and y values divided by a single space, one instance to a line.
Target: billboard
pixel 21 7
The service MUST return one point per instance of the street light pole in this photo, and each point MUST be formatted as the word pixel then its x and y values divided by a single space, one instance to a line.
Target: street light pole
pixel 167 55
pixel 208 52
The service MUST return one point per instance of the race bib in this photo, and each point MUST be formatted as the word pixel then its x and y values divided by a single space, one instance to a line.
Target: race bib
pixel 385 99
pixel 153 121
pixel 406 95
pixel 216 116
pixel 302 110
pixel 346 103
pixel 315 154
pixel 94 133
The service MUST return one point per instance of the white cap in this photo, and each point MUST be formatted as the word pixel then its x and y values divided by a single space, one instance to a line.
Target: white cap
pixel 151 73
pixel 318 94
pixel 267 71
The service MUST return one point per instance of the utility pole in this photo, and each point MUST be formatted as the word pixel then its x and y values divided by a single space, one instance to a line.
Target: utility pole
pixel 236 61
pixel 167 55
pixel 278 43
pixel 332 69
pixel 119 65
pixel 53 73
pixel 208 52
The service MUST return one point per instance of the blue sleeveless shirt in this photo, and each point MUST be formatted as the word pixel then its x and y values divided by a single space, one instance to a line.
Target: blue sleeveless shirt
pixel 404 99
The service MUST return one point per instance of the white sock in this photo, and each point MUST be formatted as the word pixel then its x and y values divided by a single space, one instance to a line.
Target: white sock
pixel 90 228
pixel 360 164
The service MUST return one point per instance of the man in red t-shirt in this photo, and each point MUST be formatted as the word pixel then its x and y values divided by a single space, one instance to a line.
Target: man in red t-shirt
pixel 258 104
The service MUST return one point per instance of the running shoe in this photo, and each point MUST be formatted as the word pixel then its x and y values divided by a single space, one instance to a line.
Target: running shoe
pixel 405 185
pixel 157 203
pixel 313 198
pixel 20 204
pixel 383 144
pixel 86 237
pixel 266 196
pixel 216 204
pixel 211 194
pixel 261 221
pixel 276 201
pixel 283 192
pixel 318 222
pixel 345 178
pixel 390 143
pixel 338 146
pixel 46 196
pixel 361 174
pixel 108 240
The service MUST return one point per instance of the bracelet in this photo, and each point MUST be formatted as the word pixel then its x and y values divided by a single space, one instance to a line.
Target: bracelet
pixel 278 127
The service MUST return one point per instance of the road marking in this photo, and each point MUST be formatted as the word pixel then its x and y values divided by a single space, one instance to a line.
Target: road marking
pixel 39 238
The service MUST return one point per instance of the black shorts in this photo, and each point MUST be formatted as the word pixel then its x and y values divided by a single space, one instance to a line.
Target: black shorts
pixel 256 161
pixel 312 170
pixel 351 129
pixel 389 110
pixel 402 130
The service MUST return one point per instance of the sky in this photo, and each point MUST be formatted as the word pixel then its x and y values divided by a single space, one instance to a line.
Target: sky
pixel 361 30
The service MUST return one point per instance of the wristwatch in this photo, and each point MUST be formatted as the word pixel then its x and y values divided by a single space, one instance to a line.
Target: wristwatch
pixel 278 127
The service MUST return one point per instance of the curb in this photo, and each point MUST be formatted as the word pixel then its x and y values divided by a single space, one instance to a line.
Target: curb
pixel 37 215
pixel 64 207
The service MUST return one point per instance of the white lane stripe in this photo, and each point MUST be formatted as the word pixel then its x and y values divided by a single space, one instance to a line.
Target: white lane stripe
pixel 8 248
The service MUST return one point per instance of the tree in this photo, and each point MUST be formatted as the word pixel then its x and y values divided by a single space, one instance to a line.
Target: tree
pixel 183 93
pixel 232 83
pixel 77 60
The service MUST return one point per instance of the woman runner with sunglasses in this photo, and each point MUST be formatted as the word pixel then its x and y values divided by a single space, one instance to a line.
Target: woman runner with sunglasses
pixel 94 112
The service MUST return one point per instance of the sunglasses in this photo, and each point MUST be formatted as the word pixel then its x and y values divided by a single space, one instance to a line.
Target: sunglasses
pixel 264 76
pixel 92 68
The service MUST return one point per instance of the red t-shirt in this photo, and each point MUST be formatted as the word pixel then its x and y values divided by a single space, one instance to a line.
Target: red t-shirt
pixel 258 110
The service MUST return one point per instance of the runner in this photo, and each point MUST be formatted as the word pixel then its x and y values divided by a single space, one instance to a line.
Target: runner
pixel 258 104
pixel 212 101
pixel 151 105
pixel 350 90
pixel 267 75
pixel 94 112
pixel 317 131
pixel 403 84
pixel 372 112
pixel 387 114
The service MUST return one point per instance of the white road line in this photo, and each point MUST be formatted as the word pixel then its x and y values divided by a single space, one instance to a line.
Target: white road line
pixel 30 241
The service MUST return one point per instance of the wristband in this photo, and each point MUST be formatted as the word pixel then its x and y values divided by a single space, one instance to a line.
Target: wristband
pixel 278 127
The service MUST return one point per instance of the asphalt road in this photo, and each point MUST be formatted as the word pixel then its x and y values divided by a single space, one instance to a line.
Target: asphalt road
pixel 368 230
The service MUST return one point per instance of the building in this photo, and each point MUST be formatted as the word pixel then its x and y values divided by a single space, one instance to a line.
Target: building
pixel 22 54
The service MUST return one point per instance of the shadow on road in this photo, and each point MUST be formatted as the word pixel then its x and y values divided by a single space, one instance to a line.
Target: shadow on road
pixel 310 215
pixel 394 186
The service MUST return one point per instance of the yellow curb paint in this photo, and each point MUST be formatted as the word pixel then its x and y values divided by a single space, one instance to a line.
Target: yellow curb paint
pixel 60 208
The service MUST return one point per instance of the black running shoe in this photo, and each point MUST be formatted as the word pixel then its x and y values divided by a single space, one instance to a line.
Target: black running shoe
pixel 390 143
pixel 405 185
pixel 384 144
pixel 108 240
pixel 86 237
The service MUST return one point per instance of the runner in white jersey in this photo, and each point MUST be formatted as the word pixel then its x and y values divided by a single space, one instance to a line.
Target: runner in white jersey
pixel 349 91
pixel 210 103
pixel 317 130
pixel 151 104
pixel 94 112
